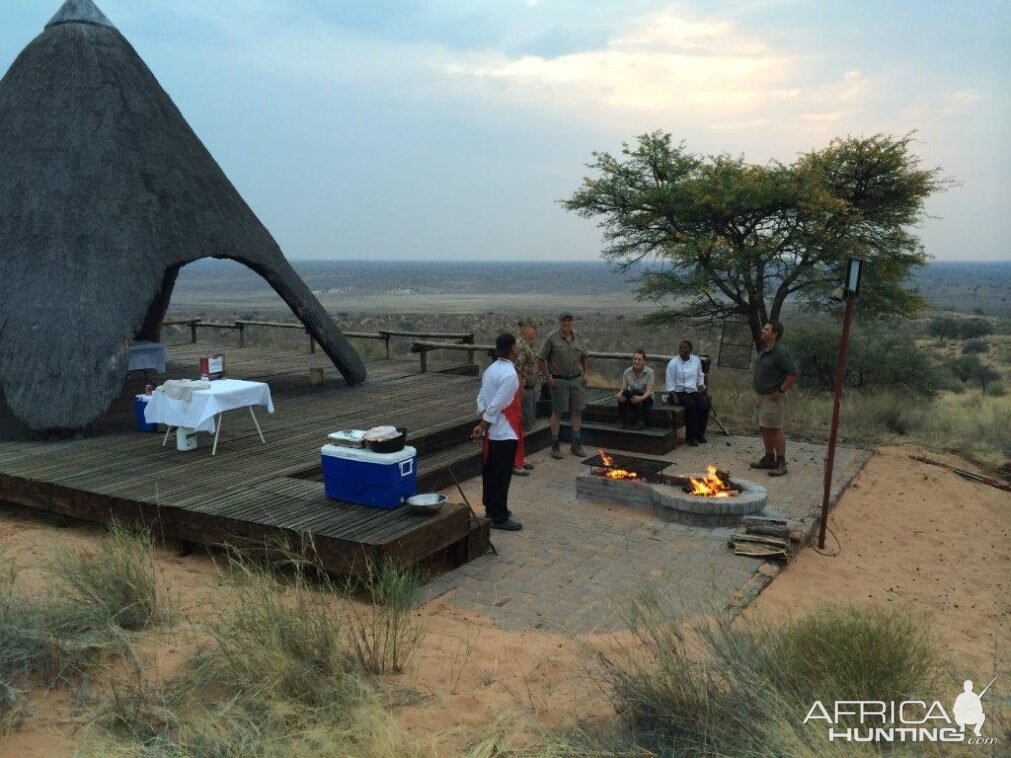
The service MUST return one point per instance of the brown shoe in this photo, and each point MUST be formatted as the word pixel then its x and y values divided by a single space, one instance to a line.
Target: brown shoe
pixel 766 461
pixel 778 469
pixel 577 449
pixel 556 451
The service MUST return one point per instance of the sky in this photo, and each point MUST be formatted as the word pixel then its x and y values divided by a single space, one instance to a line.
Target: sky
pixel 430 129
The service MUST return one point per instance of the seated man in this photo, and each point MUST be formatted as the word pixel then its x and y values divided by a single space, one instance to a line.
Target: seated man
pixel 636 394
pixel 686 386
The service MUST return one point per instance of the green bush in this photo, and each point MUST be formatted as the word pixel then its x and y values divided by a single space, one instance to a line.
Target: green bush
pixel 63 633
pixel 277 640
pixel 975 345
pixel 974 327
pixel 277 679
pixel 385 631
pixel 875 360
pixel 743 689
pixel 943 328
pixel 114 584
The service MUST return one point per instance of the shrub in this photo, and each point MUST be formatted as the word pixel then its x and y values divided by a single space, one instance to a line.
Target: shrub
pixel 965 367
pixel 942 328
pixel 276 680
pixel 95 594
pixel 974 327
pixel 386 632
pixel 975 345
pixel 740 692
pixel 277 641
pixel 114 584
pixel 875 360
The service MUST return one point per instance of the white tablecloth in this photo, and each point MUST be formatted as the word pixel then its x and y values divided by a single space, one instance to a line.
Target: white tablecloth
pixel 145 355
pixel 204 405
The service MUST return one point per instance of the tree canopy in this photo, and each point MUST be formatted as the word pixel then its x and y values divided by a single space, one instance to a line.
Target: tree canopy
pixel 727 238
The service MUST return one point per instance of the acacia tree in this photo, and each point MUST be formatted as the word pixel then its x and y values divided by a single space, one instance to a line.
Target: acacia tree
pixel 731 239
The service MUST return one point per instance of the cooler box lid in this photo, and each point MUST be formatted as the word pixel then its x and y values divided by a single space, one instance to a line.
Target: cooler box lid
pixel 367 456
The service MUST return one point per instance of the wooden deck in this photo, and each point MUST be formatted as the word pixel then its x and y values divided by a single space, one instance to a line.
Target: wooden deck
pixel 253 495
pixel 256 496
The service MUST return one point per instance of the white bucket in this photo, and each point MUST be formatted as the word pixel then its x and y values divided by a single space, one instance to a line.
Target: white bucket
pixel 186 438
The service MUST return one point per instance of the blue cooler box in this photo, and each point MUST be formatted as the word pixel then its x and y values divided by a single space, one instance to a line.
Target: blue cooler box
pixel 382 480
pixel 139 405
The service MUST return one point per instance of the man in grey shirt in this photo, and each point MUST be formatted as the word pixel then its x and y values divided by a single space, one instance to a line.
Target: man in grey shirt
pixel 775 373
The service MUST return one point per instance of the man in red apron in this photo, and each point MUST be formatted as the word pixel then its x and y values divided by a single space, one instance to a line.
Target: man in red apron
pixel 501 432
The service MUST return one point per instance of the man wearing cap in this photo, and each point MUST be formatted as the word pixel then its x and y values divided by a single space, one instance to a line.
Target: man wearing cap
pixel 562 361
pixel 498 402
pixel 530 377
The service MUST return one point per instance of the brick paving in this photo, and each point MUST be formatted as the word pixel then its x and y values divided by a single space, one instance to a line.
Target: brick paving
pixel 576 562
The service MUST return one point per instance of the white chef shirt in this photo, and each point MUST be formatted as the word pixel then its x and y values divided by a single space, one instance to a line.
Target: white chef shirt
pixel 499 385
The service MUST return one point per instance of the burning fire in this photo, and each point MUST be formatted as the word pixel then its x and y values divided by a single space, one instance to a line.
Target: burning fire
pixel 711 486
pixel 614 473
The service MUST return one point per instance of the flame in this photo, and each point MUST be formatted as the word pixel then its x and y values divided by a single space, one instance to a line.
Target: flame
pixel 711 486
pixel 617 473
pixel 614 473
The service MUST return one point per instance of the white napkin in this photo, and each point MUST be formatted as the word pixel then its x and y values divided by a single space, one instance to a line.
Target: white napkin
pixel 182 389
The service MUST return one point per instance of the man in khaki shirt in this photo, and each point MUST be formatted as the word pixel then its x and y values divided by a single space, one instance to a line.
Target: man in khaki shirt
pixel 530 379
pixel 563 361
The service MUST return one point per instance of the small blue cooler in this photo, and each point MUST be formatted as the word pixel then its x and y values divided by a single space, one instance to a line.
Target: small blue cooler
pixel 356 475
pixel 139 404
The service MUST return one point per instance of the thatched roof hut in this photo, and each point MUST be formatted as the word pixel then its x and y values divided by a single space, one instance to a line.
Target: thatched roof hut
pixel 105 192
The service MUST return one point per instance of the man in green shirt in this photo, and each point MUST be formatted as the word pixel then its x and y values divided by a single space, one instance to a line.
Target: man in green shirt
pixel 775 373
pixel 563 364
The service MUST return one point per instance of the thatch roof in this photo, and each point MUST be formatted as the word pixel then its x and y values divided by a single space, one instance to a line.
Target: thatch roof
pixel 105 192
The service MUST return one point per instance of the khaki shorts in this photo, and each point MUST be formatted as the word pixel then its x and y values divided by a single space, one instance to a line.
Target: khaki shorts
pixel 770 410
pixel 568 395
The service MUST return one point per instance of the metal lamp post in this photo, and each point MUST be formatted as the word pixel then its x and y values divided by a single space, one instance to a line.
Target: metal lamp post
pixel 849 293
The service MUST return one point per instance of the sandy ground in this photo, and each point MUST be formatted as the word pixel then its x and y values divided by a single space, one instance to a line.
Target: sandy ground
pixel 906 534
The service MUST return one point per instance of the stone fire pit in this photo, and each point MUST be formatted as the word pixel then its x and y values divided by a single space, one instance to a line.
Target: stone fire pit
pixel 669 503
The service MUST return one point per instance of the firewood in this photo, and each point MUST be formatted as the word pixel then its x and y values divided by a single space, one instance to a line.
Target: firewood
pixel 760 551
pixel 759 546
pixel 739 537
pixel 771 530
pixel 774 527
pixel 761 520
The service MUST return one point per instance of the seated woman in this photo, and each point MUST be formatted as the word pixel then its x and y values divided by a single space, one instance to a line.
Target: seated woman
pixel 686 386
pixel 636 394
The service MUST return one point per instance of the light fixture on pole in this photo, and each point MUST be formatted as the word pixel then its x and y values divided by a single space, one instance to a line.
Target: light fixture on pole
pixel 846 293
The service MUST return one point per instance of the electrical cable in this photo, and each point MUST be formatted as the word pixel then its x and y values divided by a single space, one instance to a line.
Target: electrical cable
pixel 826 553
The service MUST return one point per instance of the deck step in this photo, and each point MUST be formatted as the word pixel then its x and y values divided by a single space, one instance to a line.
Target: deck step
pixel 605 410
pixel 653 440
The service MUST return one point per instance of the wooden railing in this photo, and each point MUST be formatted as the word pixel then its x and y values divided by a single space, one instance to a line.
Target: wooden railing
pixel 461 338
pixel 423 344
pixel 423 348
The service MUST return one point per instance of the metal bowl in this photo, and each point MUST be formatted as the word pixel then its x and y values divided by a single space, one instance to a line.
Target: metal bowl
pixel 427 503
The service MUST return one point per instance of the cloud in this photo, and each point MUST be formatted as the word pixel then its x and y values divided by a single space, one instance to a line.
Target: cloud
pixel 960 103
pixel 661 63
